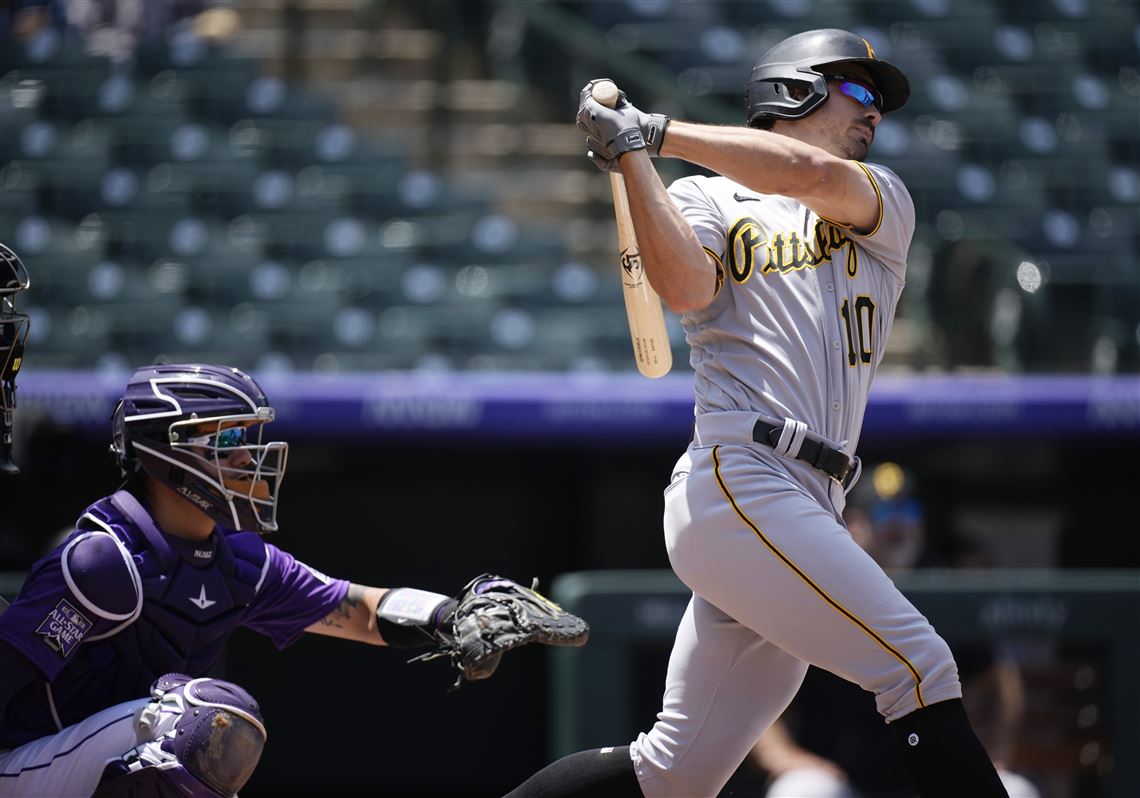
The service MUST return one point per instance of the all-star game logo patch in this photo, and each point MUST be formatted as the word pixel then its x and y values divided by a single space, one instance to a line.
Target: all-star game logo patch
pixel 63 628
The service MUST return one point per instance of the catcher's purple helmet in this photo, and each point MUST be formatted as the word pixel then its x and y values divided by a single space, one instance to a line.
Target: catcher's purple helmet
pixel 197 429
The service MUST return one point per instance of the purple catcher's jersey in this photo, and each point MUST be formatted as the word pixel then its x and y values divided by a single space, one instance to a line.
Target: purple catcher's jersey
pixel 119 603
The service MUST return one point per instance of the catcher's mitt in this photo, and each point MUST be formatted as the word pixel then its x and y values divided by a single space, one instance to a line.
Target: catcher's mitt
pixel 494 615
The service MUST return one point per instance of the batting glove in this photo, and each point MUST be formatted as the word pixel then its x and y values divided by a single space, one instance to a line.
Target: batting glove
pixel 600 157
pixel 651 127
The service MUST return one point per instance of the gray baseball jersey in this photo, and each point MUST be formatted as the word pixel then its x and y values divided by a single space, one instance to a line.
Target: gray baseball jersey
pixel 804 306
pixel 793 336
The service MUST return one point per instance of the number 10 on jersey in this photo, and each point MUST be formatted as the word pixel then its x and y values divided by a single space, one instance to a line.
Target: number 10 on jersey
pixel 860 325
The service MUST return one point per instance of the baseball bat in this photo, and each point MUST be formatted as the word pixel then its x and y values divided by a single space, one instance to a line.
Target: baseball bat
pixel 651 350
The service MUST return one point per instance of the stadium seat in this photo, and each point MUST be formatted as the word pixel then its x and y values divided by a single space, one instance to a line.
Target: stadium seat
pixel 262 209
pixel 68 337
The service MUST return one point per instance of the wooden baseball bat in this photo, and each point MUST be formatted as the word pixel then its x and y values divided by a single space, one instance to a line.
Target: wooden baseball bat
pixel 651 349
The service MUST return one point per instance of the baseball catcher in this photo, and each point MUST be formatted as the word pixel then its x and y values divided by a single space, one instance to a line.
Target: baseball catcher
pixel 490 616
pixel 106 651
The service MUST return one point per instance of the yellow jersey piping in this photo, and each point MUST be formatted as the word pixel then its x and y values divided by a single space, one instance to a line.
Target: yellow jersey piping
pixel 878 196
pixel 878 218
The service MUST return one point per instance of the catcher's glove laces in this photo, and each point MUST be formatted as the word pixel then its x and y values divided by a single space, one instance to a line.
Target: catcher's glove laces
pixel 493 615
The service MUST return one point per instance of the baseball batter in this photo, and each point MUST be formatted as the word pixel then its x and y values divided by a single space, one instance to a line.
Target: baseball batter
pixel 104 652
pixel 787 270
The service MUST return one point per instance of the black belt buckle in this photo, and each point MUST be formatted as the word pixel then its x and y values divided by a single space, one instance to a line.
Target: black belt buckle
pixel 848 474
pixel 834 463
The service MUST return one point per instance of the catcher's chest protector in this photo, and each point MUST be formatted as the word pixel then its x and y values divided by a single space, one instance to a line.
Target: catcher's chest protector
pixel 188 612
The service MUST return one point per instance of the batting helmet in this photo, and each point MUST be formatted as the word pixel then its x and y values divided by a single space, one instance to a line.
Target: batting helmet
pixel 803 59
pixel 197 429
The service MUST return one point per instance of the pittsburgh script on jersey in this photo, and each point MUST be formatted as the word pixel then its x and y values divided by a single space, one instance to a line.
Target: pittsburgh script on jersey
pixel 750 248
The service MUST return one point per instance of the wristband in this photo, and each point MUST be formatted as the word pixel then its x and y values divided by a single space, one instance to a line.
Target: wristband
pixel 410 618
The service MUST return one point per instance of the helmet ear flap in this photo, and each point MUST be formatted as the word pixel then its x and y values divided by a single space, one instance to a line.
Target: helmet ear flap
pixel 786 97
pixel 795 90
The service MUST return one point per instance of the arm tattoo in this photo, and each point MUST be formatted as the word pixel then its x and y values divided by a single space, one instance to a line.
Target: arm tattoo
pixel 340 616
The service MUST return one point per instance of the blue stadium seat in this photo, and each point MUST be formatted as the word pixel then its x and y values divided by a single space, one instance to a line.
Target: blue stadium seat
pixel 49 49
pixel 67 336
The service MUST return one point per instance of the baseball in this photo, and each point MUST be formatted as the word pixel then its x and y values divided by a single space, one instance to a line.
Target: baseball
pixel 605 92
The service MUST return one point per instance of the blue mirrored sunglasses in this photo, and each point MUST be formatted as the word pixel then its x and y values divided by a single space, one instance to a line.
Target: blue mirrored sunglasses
pixel 229 438
pixel 857 92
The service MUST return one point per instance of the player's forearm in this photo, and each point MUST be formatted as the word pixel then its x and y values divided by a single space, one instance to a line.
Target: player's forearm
pixel 354 618
pixel 1010 710
pixel 763 161
pixel 774 747
pixel 674 261
pixel 777 752
pixel 769 163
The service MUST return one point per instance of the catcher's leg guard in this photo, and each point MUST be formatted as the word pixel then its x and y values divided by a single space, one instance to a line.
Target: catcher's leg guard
pixel 201 737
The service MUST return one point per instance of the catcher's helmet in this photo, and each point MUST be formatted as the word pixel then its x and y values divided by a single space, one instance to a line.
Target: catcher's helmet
pixel 13 334
pixel 197 429
pixel 803 59
pixel 13 325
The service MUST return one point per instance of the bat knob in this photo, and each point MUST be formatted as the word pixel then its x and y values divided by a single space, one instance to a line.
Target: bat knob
pixel 605 92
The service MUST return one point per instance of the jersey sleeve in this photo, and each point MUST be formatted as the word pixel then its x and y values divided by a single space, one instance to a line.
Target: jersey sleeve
pixel 83 590
pixel 292 598
pixel 890 238
pixel 16 671
pixel 701 213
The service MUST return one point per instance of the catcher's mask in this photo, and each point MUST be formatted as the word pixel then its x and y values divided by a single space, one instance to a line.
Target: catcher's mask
pixel 198 430
pixel 13 335
pixel 804 60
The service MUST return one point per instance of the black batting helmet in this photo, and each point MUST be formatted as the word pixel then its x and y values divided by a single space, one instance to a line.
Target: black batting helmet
pixel 804 59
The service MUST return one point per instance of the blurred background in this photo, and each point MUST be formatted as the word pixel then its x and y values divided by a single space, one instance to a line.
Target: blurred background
pixel 381 209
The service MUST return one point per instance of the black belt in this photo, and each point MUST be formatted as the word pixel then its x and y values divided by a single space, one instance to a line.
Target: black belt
pixel 814 451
